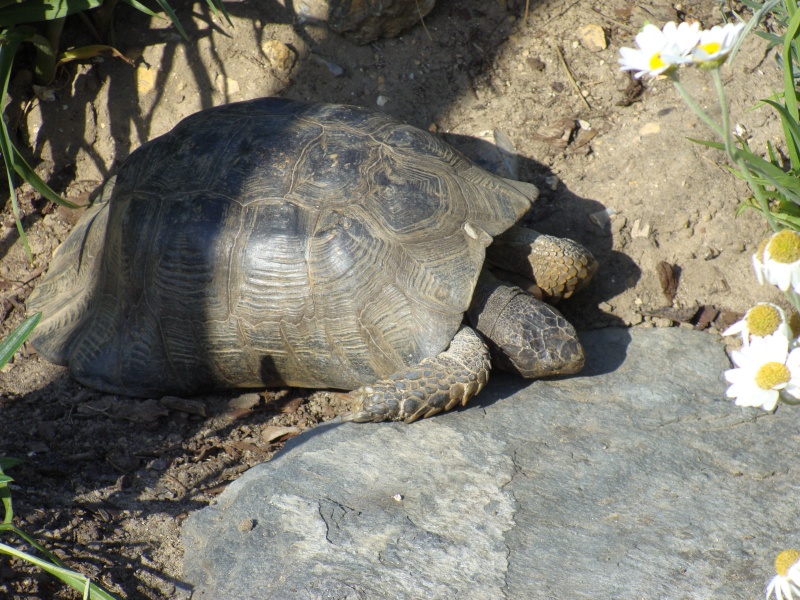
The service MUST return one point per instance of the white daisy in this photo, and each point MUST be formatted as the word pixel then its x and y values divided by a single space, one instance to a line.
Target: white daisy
pixel 760 321
pixel 758 261
pixel 681 40
pixel 646 60
pixel 787 580
pixel 715 44
pixel 781 260
pixel 764 370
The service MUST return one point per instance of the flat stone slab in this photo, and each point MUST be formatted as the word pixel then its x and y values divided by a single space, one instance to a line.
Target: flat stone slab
pixel 638 479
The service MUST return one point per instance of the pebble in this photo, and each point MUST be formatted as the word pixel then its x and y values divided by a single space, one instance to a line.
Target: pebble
pixel 593 38
pixel 650 129
pixel 157 464
pixel 662 322
pixel 226 84
pixel 145 79
pixel 602 218
pixel 280 56
pixel 247 525
pixel 245 401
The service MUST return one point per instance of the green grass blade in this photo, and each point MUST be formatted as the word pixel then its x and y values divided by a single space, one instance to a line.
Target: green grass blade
pixel 791 131
pixel 16 338
pixel 790 94
pixel 9 42
pixel 142 8
pixel 6 462
pixel 43 10
pixel 173 17
pixel 10 527
pixel 72 578
pixel 218 8
pixel 717 145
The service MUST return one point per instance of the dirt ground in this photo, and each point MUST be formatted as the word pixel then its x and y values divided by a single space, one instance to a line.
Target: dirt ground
pixel 107 480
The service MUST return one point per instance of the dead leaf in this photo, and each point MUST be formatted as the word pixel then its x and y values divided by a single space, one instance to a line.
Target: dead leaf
pixel 270 433
pixel 287 406
pixel 669 283
pixel 238 413
pixel 632 93
pixel 193 407
pixel 705 317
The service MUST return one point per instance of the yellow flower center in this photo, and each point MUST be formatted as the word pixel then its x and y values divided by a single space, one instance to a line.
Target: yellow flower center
pixel 772 374
pixel 785 560
pixel 763 319
pixel 656 62
pixel 784 247
pixel 711 47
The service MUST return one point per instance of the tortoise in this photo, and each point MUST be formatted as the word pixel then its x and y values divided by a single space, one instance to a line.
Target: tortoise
pixel 276 243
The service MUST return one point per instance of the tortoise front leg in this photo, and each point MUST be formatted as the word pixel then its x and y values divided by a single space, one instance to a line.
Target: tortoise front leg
pixel 435 384
pixel 527 336
pixel 560 267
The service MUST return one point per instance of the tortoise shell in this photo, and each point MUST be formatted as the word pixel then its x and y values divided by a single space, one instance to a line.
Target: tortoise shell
pixel 272 243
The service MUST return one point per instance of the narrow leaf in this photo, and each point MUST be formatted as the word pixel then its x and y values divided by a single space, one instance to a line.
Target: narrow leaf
pixel 35 11
pixel 171 14
pixel 17 337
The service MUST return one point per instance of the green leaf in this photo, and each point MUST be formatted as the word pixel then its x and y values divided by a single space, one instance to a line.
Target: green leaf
pixel 218 7
pixel 6 462
pixel 10 40
pixel 17 337
pixel 791 131
pixel 171 14
pixel 141 7
pixel 72 578
pixel 790 94
pixel 34 11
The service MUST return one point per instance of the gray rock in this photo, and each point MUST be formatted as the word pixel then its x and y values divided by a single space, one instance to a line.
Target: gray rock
pixel 638 479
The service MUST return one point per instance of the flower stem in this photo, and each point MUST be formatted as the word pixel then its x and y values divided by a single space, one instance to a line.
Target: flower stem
pixel 696 107
pixel 757 192
pixel 733 153
pixel 726 115
pixel 793 299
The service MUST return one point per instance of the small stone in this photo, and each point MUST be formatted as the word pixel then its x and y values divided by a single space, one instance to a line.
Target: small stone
pixel 650 129
pixel 245 401
pixel 381 100
pixel 227 85
pixel 662 322
pixel 602 218
pixel 593 38
pixel 145 79
pixel 46 94
pixel 335 69
pixel 552 182
pixel 247 525
pixel 157 464
pixel 639 230
pixel 280 56
pixel 536 63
